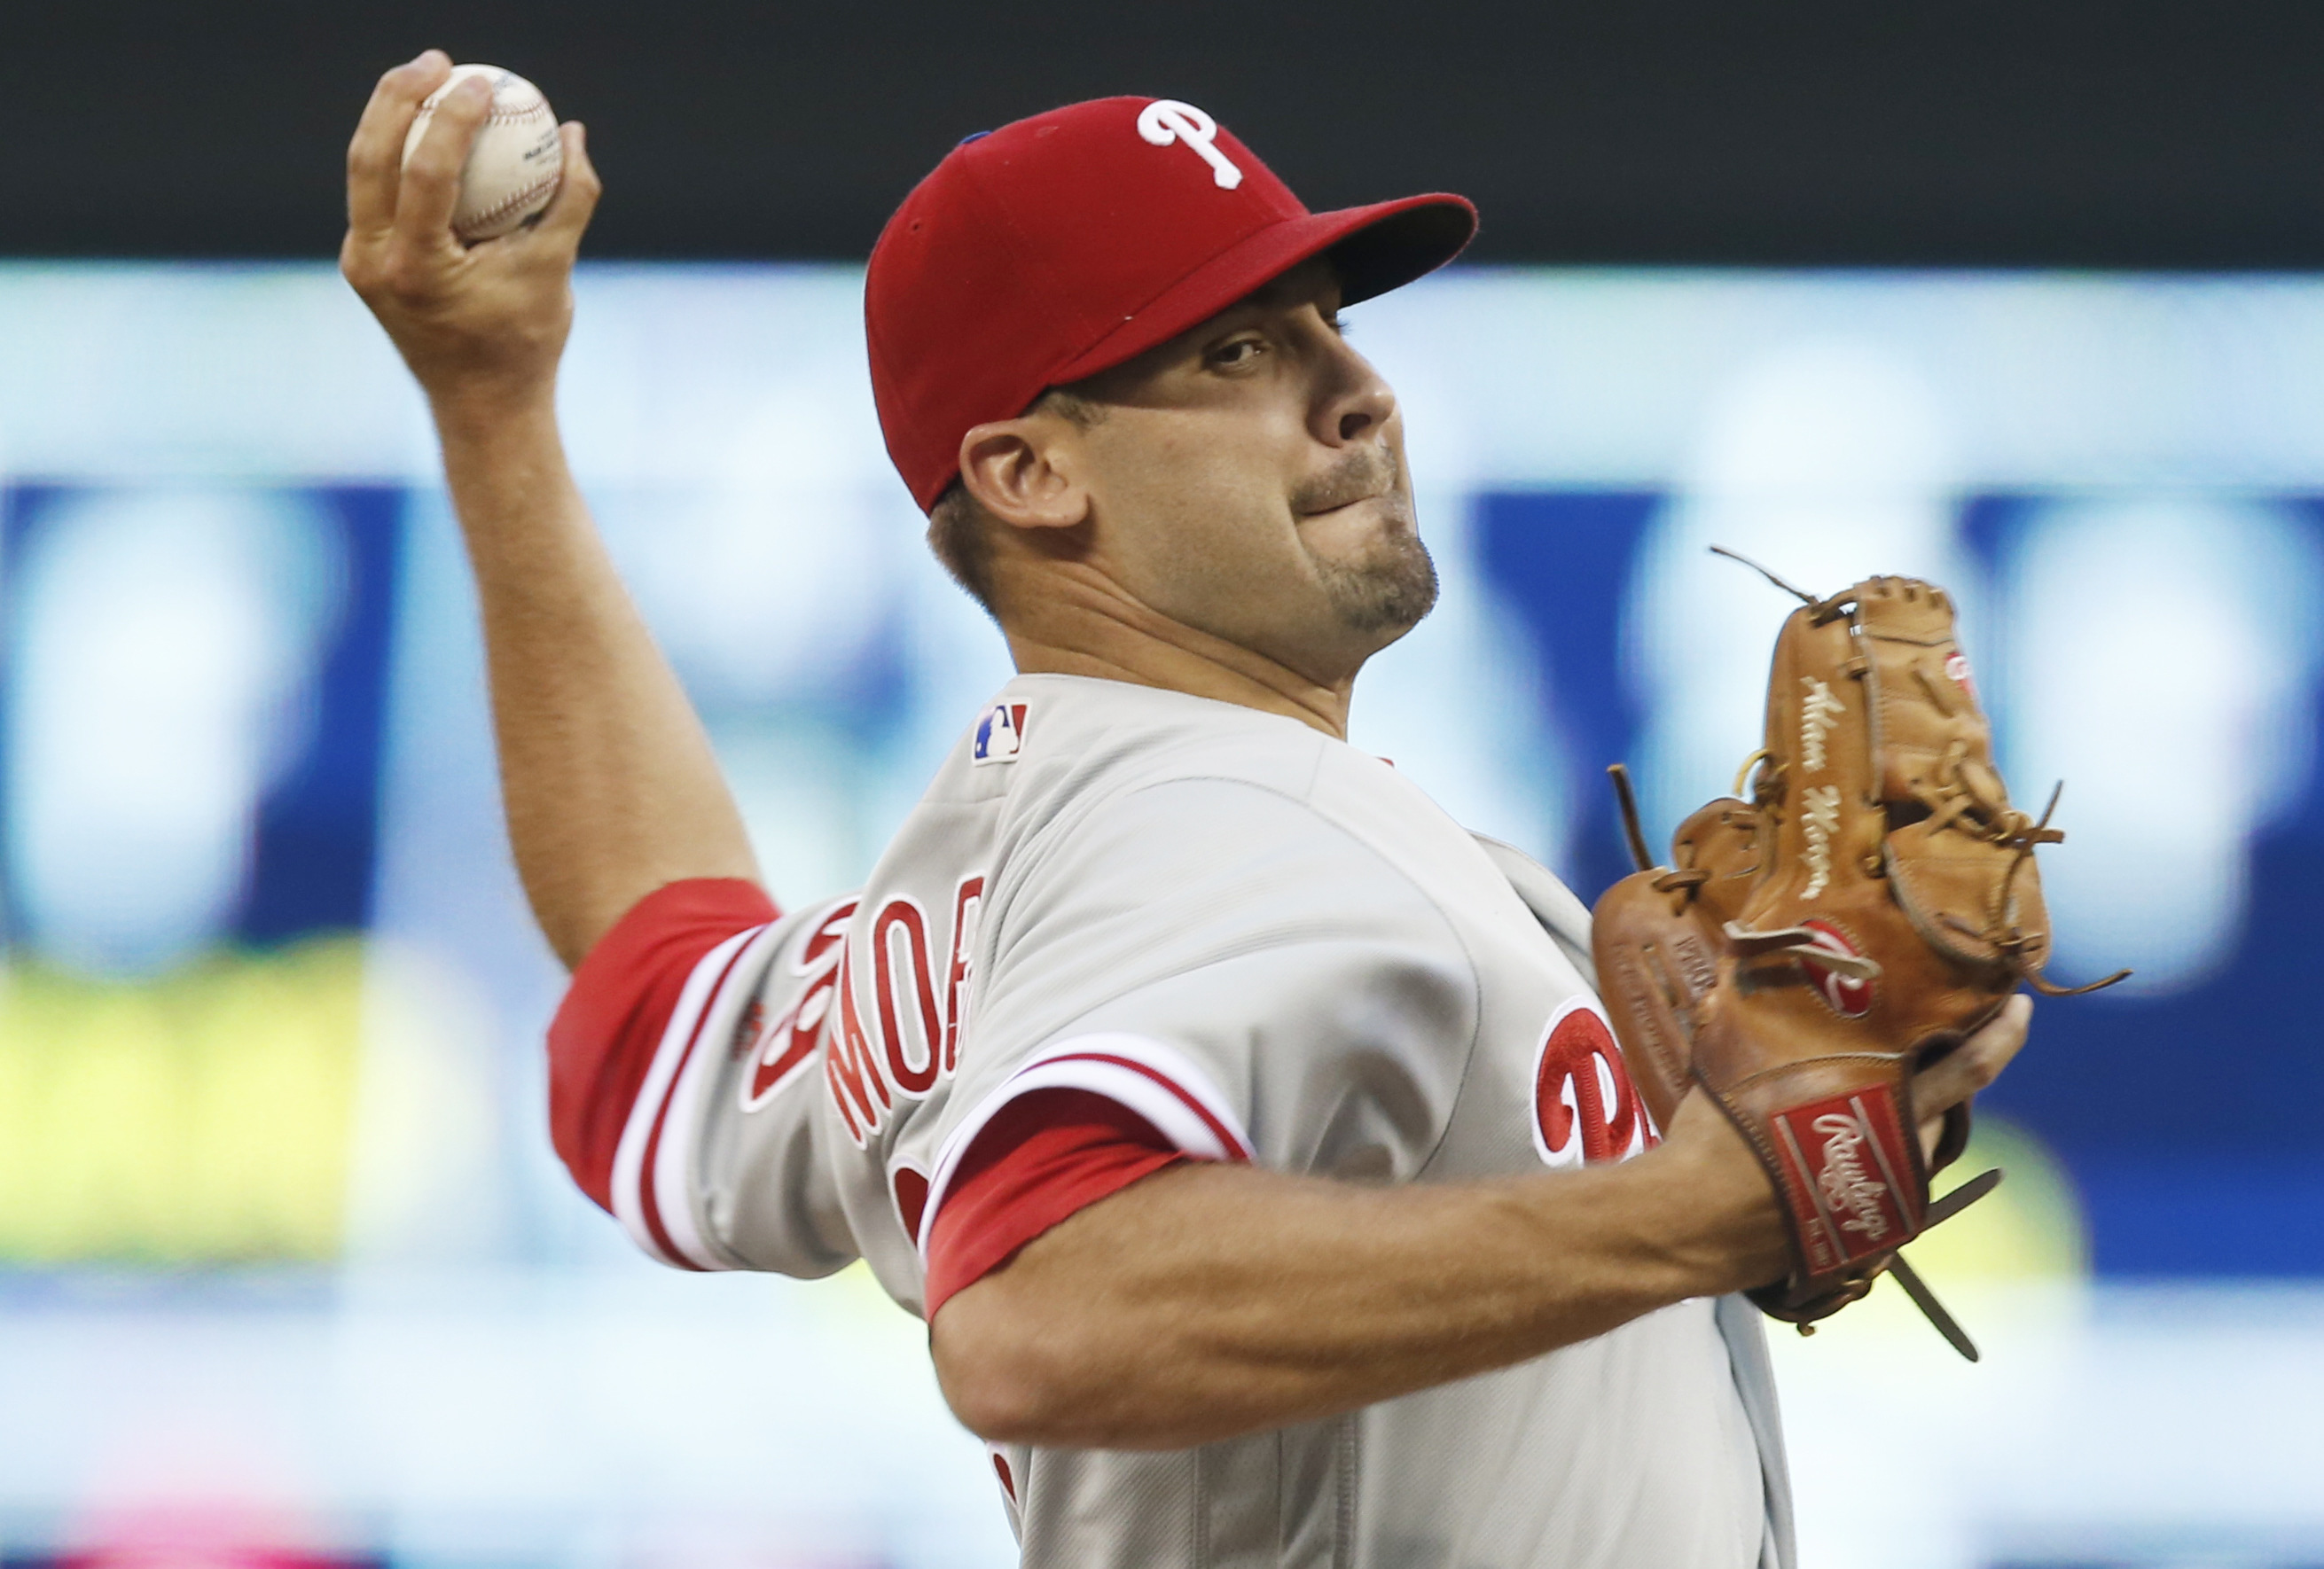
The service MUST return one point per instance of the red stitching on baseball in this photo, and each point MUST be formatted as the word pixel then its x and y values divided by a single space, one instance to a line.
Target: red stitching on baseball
pixel 517 200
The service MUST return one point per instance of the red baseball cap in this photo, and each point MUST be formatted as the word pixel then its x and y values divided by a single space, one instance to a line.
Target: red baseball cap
pixel 1064 244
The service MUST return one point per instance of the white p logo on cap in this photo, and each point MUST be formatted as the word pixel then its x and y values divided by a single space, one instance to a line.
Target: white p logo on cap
pixel 1166 120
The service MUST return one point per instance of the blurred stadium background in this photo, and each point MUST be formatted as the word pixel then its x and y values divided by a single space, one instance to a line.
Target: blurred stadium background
pixel 288 1276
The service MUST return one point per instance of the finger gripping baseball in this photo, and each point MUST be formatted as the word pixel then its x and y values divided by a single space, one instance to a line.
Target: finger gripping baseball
pixel 1811 949
pixel 513 168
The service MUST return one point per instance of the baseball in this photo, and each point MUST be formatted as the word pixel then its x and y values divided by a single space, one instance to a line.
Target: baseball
pixel 513 168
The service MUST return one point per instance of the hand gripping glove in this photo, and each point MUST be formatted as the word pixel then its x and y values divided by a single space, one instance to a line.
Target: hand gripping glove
pixel 1811 948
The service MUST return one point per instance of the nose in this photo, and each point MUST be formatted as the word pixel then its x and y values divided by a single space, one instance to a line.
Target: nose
pixel 1353 400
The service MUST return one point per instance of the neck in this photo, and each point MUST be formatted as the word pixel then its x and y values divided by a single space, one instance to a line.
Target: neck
pixel 1077 622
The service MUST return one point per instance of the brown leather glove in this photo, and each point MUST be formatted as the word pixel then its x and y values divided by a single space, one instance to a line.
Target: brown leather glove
pixel 1810 949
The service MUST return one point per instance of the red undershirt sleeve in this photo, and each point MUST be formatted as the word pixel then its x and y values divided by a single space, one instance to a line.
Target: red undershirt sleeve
pixel 607 1030
pixel 1044 1156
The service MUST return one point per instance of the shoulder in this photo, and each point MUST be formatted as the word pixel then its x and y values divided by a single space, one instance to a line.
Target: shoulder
pixel 1049 748
pixel 1220 877
pixel 1227 840
pixel 1557 907
pixel 1120 792
pixel 1078 737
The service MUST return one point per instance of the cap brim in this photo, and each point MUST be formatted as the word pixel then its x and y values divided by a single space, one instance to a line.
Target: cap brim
pixel 1374 249
pixel 1394 242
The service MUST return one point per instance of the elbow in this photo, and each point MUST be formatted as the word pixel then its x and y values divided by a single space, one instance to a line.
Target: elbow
pixel 1001 1380
pixel 998 1405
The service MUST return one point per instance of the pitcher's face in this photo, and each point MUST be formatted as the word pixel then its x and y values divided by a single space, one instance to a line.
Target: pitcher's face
pixel 1248 480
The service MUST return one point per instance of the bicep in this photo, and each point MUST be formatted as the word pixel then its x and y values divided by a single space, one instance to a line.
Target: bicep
pixel 1021 1351
pixel 1213 1299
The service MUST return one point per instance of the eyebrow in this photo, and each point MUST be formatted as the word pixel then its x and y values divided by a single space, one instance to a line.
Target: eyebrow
pixel 1236 317
pixel 1272 292
pixel 1267 296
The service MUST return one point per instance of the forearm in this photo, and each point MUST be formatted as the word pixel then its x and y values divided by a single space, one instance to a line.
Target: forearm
pixel 609 782
pixel 1215 1300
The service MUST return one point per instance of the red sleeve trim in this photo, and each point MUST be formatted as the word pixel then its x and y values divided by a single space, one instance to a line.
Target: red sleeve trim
pixel 602 1041
pixel 1048 1154
pixel 1150 1078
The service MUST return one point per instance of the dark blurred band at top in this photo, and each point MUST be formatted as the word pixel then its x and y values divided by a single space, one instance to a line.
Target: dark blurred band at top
pixel 2132 134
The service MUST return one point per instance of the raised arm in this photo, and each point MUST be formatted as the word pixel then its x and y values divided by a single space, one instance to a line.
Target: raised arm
pixel 1213 1301
pixel 609 782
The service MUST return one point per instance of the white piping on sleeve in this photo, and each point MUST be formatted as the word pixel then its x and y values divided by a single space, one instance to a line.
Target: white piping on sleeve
pixel 681 1123
pixel 1158 1082
pixel 653 1094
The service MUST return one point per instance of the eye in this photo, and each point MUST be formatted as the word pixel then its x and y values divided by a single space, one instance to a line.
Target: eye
pixel 1339 324
pixel 1238 352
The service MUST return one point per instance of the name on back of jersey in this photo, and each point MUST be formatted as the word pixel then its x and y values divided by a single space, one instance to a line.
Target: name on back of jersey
pixel 900 1042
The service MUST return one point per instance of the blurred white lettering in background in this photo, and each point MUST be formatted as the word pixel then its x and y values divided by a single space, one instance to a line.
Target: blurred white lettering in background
pixel 1825 462
pixel 2160 658
pixel 162 665
pixel 2157 651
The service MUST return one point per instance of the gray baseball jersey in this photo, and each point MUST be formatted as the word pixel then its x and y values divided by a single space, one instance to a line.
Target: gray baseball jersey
pixel 1271 947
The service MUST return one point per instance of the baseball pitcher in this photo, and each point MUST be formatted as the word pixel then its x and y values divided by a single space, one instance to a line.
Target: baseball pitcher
pixel 1249 1134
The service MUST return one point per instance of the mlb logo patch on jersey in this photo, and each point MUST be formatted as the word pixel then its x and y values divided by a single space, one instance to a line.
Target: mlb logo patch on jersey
pixel 1000 733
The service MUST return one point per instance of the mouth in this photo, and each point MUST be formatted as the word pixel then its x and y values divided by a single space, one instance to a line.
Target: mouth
pixel 1371 474
pixel 1342 506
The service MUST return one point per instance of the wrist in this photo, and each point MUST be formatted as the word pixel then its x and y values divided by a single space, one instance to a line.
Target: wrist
pixel 1611 1243
pixel 477 415
pixel 1709 1215
pixel 478 405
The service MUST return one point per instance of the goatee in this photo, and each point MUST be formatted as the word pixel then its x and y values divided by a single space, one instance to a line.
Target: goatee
pixel 1393 584
pixel 1390 589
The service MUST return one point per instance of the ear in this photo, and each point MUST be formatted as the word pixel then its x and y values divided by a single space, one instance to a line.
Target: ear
pixel 1022 472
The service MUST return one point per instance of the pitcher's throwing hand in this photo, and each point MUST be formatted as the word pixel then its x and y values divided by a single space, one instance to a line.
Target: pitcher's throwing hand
pixel 468 319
